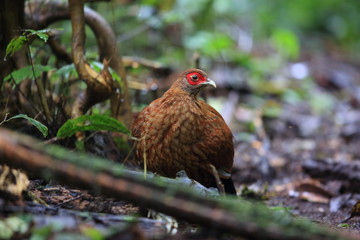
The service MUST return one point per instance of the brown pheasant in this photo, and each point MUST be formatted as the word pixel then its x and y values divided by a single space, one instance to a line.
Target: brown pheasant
pixel 178 132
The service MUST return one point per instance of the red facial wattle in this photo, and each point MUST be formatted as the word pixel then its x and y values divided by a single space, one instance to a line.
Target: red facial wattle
pixel 195 78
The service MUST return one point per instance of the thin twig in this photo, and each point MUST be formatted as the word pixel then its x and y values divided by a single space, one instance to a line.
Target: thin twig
pixel 5 118
pixel 69 200
pixel 128 155
pixel 42 94
pixel 27 99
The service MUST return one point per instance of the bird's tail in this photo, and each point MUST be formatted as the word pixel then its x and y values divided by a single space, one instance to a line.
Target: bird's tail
pixel 229 185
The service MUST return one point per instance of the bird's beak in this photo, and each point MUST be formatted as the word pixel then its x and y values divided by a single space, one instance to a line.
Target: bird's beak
pixel 209 82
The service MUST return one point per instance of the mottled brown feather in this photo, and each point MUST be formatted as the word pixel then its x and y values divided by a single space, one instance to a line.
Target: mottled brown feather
pixel 178 131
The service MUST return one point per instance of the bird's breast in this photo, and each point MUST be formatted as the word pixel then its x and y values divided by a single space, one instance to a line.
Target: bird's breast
pixel 176 122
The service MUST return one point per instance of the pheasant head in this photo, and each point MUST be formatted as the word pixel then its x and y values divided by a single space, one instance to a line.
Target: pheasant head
pixel 192 81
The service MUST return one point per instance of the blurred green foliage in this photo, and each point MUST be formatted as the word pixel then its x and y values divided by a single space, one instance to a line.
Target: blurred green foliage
pixel 258 38
pixel 240 32
pixel 214 27
pixel 13 225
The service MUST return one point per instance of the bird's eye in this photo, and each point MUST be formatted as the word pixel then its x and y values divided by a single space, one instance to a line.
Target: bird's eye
pixel 195 78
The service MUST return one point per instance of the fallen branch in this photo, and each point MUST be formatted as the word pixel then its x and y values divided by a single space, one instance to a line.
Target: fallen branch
pixel 345 171
pixel 227 215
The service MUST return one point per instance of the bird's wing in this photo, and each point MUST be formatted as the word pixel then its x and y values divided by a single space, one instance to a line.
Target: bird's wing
pixel 140 119
pixel 218 140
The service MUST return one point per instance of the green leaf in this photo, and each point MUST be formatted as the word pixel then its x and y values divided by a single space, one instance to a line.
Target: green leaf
pixel 209 43
pixel 27 72
pixel 43 34
pixel 41 127
pixel 93 122
pixel 18 42
pixel 343 225
pixel 15 45
pixel 66 71
pixel 92 233
pixel 286 42
pixel 98 66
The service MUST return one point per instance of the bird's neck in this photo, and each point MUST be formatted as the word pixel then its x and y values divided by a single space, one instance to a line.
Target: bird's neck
pixel 179 86
pixel 179 92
